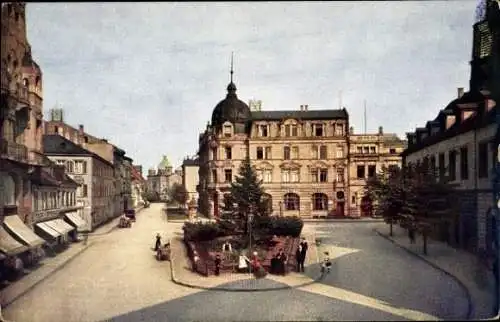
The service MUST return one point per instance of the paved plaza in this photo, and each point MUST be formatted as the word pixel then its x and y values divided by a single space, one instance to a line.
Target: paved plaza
pixel 117 278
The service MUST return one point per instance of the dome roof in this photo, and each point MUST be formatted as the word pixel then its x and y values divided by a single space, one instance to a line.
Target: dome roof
pixel 231 109
pixel 164 163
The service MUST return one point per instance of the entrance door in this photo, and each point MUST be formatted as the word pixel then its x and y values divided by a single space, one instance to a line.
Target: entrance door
pixel 366 207
pixel 340 209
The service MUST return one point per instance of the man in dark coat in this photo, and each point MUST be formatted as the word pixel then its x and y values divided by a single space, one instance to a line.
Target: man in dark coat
pixel 303 252
pixel 158 242
pixel 298 257
pixel 217 264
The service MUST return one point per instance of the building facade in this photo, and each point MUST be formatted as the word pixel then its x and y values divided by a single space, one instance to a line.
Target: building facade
pixel 460 141
pixel 122 193
pixel 138 187
pixel 368 154
pixel 300 155
pixel 161 180
pixel 190 177
pixel 20 113
pixel 94 174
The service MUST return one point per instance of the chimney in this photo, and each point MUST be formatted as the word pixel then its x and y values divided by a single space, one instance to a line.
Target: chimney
pixel 460 92
pixel 380 130
pixel 81 130
pixel 306 107
pixel 301 107
pixel 351 130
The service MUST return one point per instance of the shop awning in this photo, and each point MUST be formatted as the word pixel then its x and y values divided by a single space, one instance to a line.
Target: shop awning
pixel 8 245
pixel 76 221
pixel 15 226
pixel 46 228
pixel 60 226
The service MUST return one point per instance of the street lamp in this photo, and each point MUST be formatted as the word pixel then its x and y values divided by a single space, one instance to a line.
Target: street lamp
pixel 250 219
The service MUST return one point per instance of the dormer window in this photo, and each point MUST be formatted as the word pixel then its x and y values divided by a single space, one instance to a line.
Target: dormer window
pixel 227 130
pixel 291 130
pixel 318 130
pixel 264 130
pixel 339 130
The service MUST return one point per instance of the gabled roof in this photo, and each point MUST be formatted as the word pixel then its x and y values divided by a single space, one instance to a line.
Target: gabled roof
pixel 54 144
pixel 136 175
pixel 303 115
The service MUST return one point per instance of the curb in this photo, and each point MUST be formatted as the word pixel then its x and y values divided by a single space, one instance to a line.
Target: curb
pixel 343 220
pixel 58 268
pixel 240 290
pixel 470 307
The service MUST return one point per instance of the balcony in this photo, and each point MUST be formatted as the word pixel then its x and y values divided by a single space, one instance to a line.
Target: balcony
pixel 37 158
pixel 13 151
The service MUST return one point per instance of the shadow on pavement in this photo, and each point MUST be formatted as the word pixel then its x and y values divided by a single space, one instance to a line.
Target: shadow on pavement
pixel 256 306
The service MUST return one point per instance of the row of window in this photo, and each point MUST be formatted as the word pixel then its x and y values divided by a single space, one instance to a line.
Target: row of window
pixel 291 130
pixel 287 175
pixel 318 152
pixel 319 201
pixel 371 150
pixel 450 171
pixel 44 200
pixel 74 166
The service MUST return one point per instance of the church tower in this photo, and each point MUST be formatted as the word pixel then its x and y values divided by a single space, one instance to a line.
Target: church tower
pixel 485 47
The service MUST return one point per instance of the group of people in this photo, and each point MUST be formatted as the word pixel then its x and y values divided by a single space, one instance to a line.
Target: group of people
pixel 278 263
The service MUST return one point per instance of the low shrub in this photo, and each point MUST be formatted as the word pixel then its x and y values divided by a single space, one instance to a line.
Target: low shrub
pixel 286 226
pixel 201 231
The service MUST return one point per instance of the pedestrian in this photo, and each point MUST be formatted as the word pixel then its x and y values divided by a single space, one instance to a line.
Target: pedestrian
pixel 303 254
pixel 158 242
pixel 327 264
pixel 282 262
pixel 196 258
pixel 411 234
pixel 217 264
pixel 298 257
pixel 275 264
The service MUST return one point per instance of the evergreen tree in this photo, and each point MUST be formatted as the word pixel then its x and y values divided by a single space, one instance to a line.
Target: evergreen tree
pixel 247 194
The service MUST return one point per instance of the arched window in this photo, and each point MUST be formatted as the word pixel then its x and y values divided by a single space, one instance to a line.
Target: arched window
pixel 37 82
pixel 267 200
pixel 286 153
pixel 9 185
pixel 320 201
pixel 291 201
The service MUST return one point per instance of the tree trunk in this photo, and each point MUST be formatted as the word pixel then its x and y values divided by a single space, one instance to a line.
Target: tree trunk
pixel 424 235
pixel 390 229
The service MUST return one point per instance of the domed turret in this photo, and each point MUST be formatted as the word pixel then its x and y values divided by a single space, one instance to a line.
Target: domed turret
pixel 231 109
pixel 165 163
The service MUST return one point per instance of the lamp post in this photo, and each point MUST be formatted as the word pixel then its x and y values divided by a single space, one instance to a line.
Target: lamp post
pixel 250 219
pixel 496 216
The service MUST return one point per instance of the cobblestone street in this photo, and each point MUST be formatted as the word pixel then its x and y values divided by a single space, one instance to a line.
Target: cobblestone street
pixel 118 278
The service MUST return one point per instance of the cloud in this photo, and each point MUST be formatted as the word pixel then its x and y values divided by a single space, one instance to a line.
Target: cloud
pixel 147 75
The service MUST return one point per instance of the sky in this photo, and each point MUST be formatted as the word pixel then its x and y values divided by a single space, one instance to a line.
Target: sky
pixel 146 76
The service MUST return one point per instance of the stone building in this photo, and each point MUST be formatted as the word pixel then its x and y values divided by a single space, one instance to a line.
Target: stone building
pixel 20 114
pixel 122 194
pixel 138 186
pixel 94 174
pixel 300 155
pixel 190 177
pixel 460 141
pixel 368 154
pixel 161 180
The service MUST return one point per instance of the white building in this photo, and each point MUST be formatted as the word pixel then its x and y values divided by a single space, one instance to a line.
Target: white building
pixel 190 177
pixel 94 174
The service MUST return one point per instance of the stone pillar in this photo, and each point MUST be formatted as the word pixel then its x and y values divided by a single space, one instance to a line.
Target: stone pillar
pixel 211 209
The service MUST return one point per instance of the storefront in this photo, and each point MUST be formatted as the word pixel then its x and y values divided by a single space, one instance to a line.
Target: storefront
pixel 22 234
pixel 77 222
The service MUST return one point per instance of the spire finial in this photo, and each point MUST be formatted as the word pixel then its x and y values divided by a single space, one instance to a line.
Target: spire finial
pixel 232 66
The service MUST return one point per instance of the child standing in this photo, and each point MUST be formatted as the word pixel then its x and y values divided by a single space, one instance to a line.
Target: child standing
pixel 327 264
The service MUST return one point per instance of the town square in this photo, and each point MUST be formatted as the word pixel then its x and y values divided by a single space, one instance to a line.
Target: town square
pixel 274 161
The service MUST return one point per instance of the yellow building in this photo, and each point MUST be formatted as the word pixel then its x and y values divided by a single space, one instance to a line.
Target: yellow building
pixel 368 154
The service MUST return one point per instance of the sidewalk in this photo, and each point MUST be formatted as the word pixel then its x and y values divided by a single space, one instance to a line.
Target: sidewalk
pixel 49 266
pixel 461 265
pixel 182 274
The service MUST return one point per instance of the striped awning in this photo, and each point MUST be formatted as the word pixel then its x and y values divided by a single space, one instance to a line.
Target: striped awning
pixel 15 226
pixel 8 245
pixel 76 221
pixel 46 228
pixel 60 226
